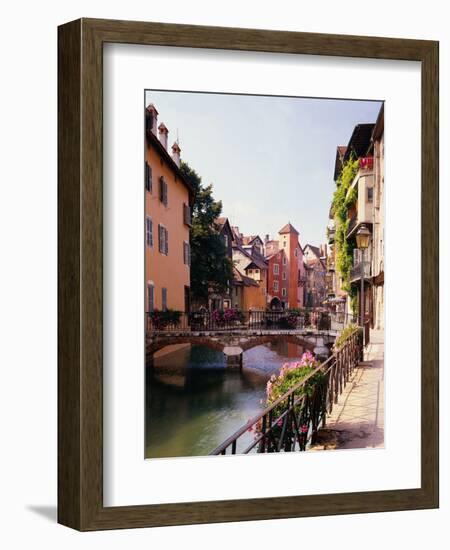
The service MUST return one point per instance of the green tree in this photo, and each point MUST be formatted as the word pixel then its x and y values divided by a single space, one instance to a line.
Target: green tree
pixel 343 198
pixel 211 269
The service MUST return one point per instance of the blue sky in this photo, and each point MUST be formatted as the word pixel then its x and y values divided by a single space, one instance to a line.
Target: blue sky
pixel 270 159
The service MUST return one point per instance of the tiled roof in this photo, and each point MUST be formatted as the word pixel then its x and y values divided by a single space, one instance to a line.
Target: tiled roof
pixel 360 140
pixel 257 259
pixel 248 239
pixel 314 249
pixel 239 278
pixel 288 228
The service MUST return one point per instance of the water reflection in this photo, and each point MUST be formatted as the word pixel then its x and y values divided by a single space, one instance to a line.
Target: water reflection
pixel 194 401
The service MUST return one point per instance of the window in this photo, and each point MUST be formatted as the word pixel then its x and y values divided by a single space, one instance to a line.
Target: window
pixel 296 252
pixel 370 194
pixel 163 240
pixel 276 269
pixel 284 275
pixel 284 260
pixel 148 177
pixel 164 299
pixel 150 297
pixel 163 191
pixel 225 240
pixel 284 244
pixel 283 292
pixel 186 253
pixel 187 215
pixel 149 231
pixel 275 286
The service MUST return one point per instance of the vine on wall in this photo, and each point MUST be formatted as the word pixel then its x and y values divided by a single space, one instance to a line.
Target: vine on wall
pixel 342 200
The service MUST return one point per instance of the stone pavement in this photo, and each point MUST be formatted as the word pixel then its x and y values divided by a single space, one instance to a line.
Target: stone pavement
pixel 357 421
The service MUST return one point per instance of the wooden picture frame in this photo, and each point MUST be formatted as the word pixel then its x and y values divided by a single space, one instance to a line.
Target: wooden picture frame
pixel 80 272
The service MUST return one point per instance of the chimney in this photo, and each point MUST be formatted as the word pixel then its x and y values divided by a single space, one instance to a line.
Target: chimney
pixel 163 134
pixel 267 239
pixel 176 154
pixel 151 119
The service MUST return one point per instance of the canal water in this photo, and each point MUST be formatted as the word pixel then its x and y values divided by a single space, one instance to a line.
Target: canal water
pixel 194 401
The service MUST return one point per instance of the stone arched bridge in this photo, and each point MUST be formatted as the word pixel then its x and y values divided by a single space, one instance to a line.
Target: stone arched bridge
pixel 234 343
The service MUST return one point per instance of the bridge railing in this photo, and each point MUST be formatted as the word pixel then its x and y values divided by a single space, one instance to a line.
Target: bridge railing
pixel 340 320
pixel 231 319
pixel 292 422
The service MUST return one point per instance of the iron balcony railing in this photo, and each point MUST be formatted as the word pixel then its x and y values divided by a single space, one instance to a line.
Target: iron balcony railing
pixel 292 422
pixel 355 271
pixel 234 320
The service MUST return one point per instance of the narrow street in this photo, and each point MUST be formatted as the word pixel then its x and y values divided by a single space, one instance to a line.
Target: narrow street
pixel 357 421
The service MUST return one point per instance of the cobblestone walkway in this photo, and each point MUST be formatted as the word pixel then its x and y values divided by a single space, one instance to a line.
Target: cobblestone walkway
pixel 357 421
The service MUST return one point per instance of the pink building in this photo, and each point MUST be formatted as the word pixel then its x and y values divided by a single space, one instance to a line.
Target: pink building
pixel 285 282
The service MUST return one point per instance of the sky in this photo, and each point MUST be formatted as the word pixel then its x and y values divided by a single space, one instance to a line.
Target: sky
pixel 270 159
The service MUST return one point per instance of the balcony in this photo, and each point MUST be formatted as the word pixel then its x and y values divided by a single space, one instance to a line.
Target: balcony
pixel 362 212
pixel 366 163
pixel 355 272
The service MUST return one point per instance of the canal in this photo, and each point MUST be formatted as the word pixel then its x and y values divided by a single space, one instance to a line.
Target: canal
pixel 194 401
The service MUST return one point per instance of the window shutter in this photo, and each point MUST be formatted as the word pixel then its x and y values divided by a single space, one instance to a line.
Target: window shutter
pixel 161 189
pixel 165 194
pixel 148 232
pixel 151 297
pixel 184 253
pixel 186 214
pixel 148 177
pixel 159 238
pixel 166 234
pixel 356 256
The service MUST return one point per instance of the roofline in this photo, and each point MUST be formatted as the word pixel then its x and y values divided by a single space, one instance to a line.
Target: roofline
pixel 151 138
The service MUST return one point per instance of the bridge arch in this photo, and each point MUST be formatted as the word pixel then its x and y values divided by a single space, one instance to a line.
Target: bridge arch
pixel 219 342
pixel 262 339
pixel 160 343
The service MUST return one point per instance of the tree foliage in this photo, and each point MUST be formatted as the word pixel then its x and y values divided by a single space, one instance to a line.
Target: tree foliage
pixel 211 269
pixel 342 200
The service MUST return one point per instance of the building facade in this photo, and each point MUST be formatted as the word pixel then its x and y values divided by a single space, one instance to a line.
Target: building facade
pixel 316 290
pixel 365 209
pixel 288 285
pixel 378 223
pixel 277 281
pixel 168 201
pixel 250 263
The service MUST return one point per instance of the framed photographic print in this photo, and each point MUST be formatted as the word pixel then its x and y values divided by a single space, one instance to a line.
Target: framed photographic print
pixel 248 274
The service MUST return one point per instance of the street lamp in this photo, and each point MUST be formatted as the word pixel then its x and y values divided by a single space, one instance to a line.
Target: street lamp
pixel 362 242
